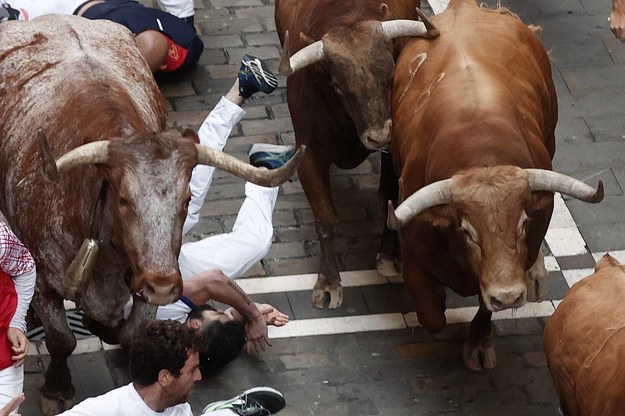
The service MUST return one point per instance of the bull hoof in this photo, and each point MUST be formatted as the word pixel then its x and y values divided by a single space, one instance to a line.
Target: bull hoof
pixel 386 268
pixel 335 295
pixel 479 358
pixel 318 298
pixel 52 407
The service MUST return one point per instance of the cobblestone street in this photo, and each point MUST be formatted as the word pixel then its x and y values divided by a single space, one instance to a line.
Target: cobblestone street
pixel 370 357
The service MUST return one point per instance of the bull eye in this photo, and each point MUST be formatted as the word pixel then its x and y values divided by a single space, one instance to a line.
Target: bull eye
pixel 337 88
pixel 469 232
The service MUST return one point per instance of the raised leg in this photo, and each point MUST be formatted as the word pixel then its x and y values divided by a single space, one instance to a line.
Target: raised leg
pixel 479 349
pixel 248 242
pixel 388 255
pixel 537 283
pixel 57 393
pixel 315 178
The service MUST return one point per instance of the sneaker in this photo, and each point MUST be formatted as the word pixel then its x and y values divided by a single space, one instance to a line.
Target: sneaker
pixel 257 401
pixel 270 156
pixel 254 76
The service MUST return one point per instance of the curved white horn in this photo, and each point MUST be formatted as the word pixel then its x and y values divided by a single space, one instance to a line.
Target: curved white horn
pixel 547 180
pixel 94 152
pixel 302 58
pixel 262 177
pixel 402 27
pixel 437 193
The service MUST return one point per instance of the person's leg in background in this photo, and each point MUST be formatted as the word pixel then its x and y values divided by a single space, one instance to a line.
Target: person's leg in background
pixel 179 8
pixel 153 27
pixel 11 383
pixel 235 252
pixel 216 128
pixel 213 133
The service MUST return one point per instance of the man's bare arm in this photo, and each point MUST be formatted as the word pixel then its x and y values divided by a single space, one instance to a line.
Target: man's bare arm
pixel 215 285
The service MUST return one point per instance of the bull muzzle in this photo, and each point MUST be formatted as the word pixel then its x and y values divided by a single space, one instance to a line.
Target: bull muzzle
pixel 505 297
pixel 377 139
pixel 158 290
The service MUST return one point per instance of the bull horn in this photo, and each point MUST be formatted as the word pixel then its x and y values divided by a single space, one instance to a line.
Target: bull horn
pixel 262 177
pixel 402 27
pixel 546 180
pixel 437 193
pixel 302 58
pixel 94 152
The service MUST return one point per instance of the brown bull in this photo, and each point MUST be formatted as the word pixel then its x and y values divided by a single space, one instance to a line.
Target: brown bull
pixel 122 179
pixel 338 91
pixel 474 114
pixel 584 343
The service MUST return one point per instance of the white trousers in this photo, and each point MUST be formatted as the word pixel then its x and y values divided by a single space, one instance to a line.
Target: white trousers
pixel 179 8
pixel 11 384
pixel 235 252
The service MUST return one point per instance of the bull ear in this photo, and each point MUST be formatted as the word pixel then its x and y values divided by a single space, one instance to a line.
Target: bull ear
pixel 191 135
pixel 438 216
pixel 607 261
pixel 384 13
pixel 306 39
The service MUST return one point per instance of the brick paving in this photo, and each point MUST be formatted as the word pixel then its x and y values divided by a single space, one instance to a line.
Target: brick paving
pixel 400 371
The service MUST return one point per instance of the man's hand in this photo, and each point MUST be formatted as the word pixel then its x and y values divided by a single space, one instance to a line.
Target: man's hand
pixel 12 405
pixel 256 335
pixel 272 315
pixel 617 19
pixel 19 344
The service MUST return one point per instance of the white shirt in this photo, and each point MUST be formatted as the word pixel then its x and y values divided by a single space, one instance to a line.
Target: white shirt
pixel 178 311
pixel 123 401
pixel 29 9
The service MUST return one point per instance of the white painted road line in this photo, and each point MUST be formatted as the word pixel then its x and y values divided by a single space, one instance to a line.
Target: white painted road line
pixel 388 321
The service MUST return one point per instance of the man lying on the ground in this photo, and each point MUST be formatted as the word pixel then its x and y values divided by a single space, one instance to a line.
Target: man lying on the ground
pixel 223 334
pixel 207 266
pixel 166 42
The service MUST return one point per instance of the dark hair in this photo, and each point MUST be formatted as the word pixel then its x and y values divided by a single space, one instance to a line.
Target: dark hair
pixel 219 343
pixel 160 345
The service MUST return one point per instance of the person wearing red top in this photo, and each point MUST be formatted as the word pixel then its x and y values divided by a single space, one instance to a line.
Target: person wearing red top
pixel 17 285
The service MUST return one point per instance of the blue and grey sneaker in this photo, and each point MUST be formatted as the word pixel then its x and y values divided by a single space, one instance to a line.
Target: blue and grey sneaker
pixel 270 156
pixel 258 401
pixel 254 76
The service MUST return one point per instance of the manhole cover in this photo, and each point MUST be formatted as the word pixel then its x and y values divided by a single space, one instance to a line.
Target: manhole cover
pixel 74 318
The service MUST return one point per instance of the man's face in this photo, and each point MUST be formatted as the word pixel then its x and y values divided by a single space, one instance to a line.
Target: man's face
pixel 207 317
pixel 180 387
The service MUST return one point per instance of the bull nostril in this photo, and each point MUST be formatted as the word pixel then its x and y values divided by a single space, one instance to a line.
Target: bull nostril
pixel 175 291
pixel 495 303
pixel 148 289
pixel 508 299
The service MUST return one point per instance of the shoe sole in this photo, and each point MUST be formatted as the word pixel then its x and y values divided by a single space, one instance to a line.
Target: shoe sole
pixel 247 393
pixel 268 147
pixel 261 72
